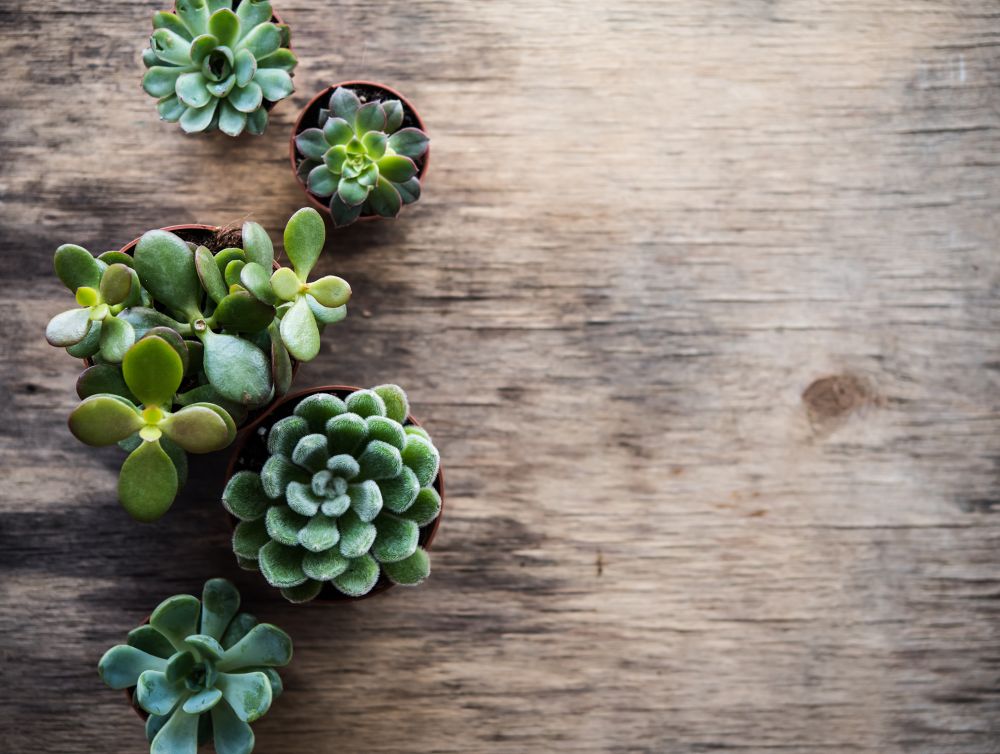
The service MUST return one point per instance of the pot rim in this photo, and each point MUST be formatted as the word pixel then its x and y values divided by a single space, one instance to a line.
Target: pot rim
pixel 243 437
pixel 297 128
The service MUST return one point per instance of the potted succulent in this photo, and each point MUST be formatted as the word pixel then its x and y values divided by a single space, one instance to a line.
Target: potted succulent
pixel 234 326
pixel 200 671
pixel 216 64
pixel 337 493
pixel 359 150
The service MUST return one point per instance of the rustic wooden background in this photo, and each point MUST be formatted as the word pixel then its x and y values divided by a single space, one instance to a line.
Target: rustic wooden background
pixel 701 305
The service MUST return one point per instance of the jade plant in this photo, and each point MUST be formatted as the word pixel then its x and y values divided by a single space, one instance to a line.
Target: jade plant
pixel 215 67
pixel 202 670
pixel 360 158
pixel 342 497
pixel 149 479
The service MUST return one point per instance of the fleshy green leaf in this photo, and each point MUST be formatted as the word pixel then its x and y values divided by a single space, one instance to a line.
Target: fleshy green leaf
pixel 245 66
pixel 121 666
pixel 161 80
pixel 220 601
pixel 366 499
pixel 425 508
pixel 147 483
pixel 330 291
pixel 225 26
pixel 366 403
pixel 302 499
pixel 249 537
pixel 281 363
pixel 153 371
pixel 325 315
pixel 264 645
pixel 203 701
pixel 253 13
pixel 76 267
pixel 244 496
pixel 369 117
pixel 257 245
pixel 277 473
pixel 304 592
pixel 176 618
pixel 70 327
pixel 356 536
pixel 116 283
pixel 285 284
pixel 232 272
pixel 321 181
pixel 409 142
pixel 324 566
pixel 148 639
pixel 343 214
pixel 261 40
pixel 305 235
pixel 197 119
pixel 237 369
pixel 164 20
pixel 166 267
pixel 283 525
pixel 352 192
pixel 412 570
pixel 156 694
pixel 283 58
pixel 179 735
pixel 393 110
pixel 375 143
pixel 384 200
pixel 319 534
pixel 311 453
pixel 194 14
pixel 275 83
pixel 396 539
pixel 89 345
pixel 409 191
pixel 337 131
pixel 299 331
pixel 257 280
pixel 317 409
pixel 344 104
pixel 192 91
pixel 231 121
pixel 359 578
pixel 311 143
pixel 117 337
pixel 397 406
pixel 171 108
pixel 170 47
pixel 399 492
pixel 240 626
pixel 257 122
pixel 345 433
pixel 230 734
pixel 397 168
pixel 143 320
pixel 285 434
pixel 197 429
pixel 103 420
pixel 249 694
pixel 205 646
pixel 241 311
pixel 421 456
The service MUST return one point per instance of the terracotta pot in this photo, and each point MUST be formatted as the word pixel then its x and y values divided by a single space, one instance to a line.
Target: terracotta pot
pixel 250 441
pixel 308 118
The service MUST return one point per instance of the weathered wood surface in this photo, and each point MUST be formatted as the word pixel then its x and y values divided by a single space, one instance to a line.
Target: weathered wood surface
pixel 701 306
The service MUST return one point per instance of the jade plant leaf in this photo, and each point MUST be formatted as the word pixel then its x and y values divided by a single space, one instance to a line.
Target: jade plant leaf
pixel 197 429
pixel 76 267
pixel 68 328
pixel 305 235
pixel 148 482
pixel 153 371
pixel 237 369
pixel 104 420
pixel 299 331
pixel 167 269
pixel 103 378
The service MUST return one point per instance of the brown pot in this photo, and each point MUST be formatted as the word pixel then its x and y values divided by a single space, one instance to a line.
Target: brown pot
pixel 213 237
pixel 281 409
pixel 308 119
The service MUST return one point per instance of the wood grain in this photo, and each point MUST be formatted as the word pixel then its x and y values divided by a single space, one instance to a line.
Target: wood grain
pixel 701 305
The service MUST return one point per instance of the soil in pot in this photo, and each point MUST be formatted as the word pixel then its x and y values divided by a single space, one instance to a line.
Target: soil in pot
pixel 249 453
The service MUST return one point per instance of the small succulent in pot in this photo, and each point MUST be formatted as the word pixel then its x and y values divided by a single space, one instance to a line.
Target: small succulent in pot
pixel 342 497
pixel 360 157
pixel 215 67
pixel 202 671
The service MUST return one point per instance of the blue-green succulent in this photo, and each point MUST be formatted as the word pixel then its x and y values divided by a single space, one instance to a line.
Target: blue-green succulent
pixel 202 671
pixel 216 66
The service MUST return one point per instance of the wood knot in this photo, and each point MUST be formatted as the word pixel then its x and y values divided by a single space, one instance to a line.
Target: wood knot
pixel 830 400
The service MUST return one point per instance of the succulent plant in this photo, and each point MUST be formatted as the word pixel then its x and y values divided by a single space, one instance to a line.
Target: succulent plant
pixel 213 67
pixel 202 670
pixel 361 158
pixel 341 498
pixel 150 477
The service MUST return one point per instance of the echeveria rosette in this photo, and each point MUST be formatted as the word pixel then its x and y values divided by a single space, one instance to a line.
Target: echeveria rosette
pixel 305 307
pixel 151 476
pixel 341 499
pixel 213 67
pixel 202 670
pixel 102 291
pixel 361 158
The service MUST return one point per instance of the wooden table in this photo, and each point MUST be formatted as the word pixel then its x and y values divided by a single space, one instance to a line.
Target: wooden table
pixel 701 307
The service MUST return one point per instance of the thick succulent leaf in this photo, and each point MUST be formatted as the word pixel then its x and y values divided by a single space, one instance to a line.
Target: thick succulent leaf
pixel 249 537
pixel 317 409
pixel 176 618
pixel 194 14
pixel 164 20
pixel 345 433
pixel 231 121
pixel 242 312
pixel 384 200
pixel 208 394
pixel 261 40
pixel 396 539
pixel 76 267
pixel 425 508
pixel 257 122
pixel 397 168
pixel 245 66
pixel 281 565
pixel 311 452
pixel 359 577
pixel 247 564
pixel 121 666
pixel 397 405
pixel 237 369
pixel 191 89
pixel 283 525
pixel 225 26
pixel 304 237
pixel 386 429
pixel 285 284
pixel 380 460
pixel 412 570
pixel 336 506
pixel 257 280
pixel 285 434
pixel 409 142
pixel 264 645
pixel 343 466
pixel 421 456
pixel 352 192
pixel 311 143
pixel 244 496
pixel 399 492
pixel 275 83
pixel 117 337
pixel 277 473
pixel 375 143
pixel 334 159
pixel 203 701
pixel 325 315
pixel 299 331
pixel 283 58
pixel 356 536
pixel 252 13
pixel 366 403
pixel 179 735
pixel 149 640
pixel 195 120
pixel 230 734
pixel 171 108
pixel 143 320
pixel 319 534
pixel 175 341
pixel 148 482
pixel 232 272
pixel 103 420
pixel 170 47
pixel 247 98
pixel 153 725
pixel 366 499
pixel 344 103
pixel 302 499
pixel 166 267
pixel 331 291
pixel 304 592
pixel 209 274
pixel 153 371
pixel 220 601
pixel 225 256
pixel 205 646
pixel 409 191
pixel 257 245
pixel 89 345
pixel 197 429
pixel 321 181
pixel 393 110
pixel 369 117
pixel 224 415
pixel 161 80
pixel 116 283
pixel 281 362
pixel 249 694
pixel 156 694
pixel 241 625
pixel 324 566
pixel 70 327
pixel 343 214
pixel 337 131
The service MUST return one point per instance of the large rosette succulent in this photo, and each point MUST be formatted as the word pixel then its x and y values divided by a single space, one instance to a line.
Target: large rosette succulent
pixel 341 498
pixel 215 67
pixel 202 670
